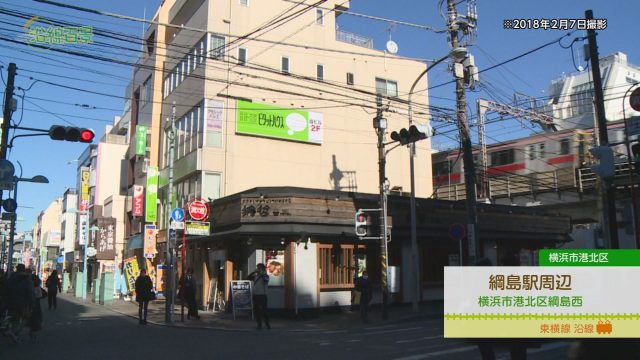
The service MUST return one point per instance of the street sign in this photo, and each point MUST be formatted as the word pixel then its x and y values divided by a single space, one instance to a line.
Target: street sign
pixel 7 170
pixel 198 210
pixel 456 231
pixel 177 225
pixel 177 215
pixel 634 99
pixel 197 228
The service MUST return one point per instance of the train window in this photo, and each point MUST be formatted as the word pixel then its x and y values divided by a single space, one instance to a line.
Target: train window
pixel 441 168
pixel 564 147
pixel 502 157
pixel 536 151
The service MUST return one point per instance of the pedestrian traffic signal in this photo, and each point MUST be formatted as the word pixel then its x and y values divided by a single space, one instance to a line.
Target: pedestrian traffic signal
pixel 605 168
pixel 70 133
pixel 413 134
pixel 361 223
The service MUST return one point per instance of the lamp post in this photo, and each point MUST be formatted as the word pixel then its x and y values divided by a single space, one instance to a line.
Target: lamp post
pixel 458 52
pixel 40 179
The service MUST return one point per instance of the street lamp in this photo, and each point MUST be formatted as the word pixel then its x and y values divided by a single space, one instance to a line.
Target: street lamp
pixel 457 53
pixel 85 273
pixel 40 179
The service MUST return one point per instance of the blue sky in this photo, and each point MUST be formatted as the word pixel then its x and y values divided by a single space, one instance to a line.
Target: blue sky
pixel 530 75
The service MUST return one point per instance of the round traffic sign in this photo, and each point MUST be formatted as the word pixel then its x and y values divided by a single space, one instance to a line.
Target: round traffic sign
pixel 456 231
pixel 634 99
pixel 198 210
pixel 177 214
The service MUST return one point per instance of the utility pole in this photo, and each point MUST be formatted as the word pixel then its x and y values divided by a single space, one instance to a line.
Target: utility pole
pixel 380 124
pixel 6 111
pixel 609 200
pixel 171 235
pixel 473 242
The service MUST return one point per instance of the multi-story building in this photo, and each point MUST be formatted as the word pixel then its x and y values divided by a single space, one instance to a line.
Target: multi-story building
pixel 271 126
pixel 46 238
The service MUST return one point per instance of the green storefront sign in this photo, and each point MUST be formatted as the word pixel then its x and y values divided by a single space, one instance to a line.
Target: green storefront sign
pixel 274 122
pixel 152 194
pixel 141 140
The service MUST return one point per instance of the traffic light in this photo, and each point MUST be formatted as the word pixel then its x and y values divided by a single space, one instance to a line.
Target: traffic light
pixel 70 133
pixel 605 167
pixel 635 150
pixel 413 134
pixel 361 223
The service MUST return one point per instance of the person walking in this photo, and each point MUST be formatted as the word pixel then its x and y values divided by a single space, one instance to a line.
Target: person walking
pixel 260 283
pixel 188 291
pixel 366 293
pixel 19 299
pixel 35 321
pixel 144 288
pixel 54 285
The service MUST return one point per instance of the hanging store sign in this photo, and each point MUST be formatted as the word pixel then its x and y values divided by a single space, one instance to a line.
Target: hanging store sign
pixel 105 242
pixel 84 189
pixel 141 140
pixel 199 228
pixel 138 200
pixel 83 225
pixel 150 241
pixel 274 122
pixel 152 194
pixel 198 210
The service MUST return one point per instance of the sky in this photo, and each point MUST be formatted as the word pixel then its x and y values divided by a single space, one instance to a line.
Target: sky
pixel 46 105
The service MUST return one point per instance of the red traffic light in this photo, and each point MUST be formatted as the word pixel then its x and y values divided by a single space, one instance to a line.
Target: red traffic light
pixel 87 135
pixel 70 133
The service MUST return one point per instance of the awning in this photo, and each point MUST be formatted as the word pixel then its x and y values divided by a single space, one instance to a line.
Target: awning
pixel 135 242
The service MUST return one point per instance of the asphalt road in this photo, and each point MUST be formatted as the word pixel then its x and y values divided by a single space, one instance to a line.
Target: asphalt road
pixel 80 330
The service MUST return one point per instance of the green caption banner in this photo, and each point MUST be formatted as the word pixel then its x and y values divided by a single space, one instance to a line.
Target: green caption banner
pixel 589 257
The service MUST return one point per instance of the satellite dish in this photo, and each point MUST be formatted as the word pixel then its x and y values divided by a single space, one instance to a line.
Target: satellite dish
pixel 392 47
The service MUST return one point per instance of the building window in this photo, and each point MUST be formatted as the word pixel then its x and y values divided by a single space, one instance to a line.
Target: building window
pixel 502 157
pixel 386 87
pixel 242 56
pixel 442 168
pixel 244 2
pixel 536 151
pixel 338 265
pixel 565 147
pixel 581 99
pixel 150 43
pixel 147 90
pixel 217 46
pixel 285 65
pixel 319 16
pixel 350 80
pixel 320 72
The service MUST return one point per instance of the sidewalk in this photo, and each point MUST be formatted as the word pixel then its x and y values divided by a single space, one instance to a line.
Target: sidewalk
pixel 325 321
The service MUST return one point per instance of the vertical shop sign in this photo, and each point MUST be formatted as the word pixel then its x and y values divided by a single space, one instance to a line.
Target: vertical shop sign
pixel 152 194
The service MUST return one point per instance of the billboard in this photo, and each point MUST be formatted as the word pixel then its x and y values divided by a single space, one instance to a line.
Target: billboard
pixel 150 241
pixel 278 123
pixel 84 189
pixel 152 194
pixel 105 241
pixel 138 200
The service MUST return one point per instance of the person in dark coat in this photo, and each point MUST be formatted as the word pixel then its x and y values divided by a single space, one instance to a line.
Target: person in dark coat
pixel 366 293
pixel 35 321
pixel 188 293
pixel 53 286
pixel 19 298
pixel 144 287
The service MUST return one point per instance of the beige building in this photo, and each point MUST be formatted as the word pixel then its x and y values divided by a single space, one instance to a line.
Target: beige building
pixel 47 238
pixel 288 106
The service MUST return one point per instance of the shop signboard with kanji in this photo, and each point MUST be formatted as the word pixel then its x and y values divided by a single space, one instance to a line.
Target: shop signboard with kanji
pixel 105 239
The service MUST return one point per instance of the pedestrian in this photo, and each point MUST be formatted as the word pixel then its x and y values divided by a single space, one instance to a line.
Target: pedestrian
pixel 53 286
pixel 366 293
pixel 260 304
pixel 188 292
pixel 20 299
pixel 144 289
pixel 35 321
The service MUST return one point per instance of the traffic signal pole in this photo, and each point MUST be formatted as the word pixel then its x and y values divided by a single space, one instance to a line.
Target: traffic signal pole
pixel 473 242
pixel 380 124
pixel 609 200
pixel 171 238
